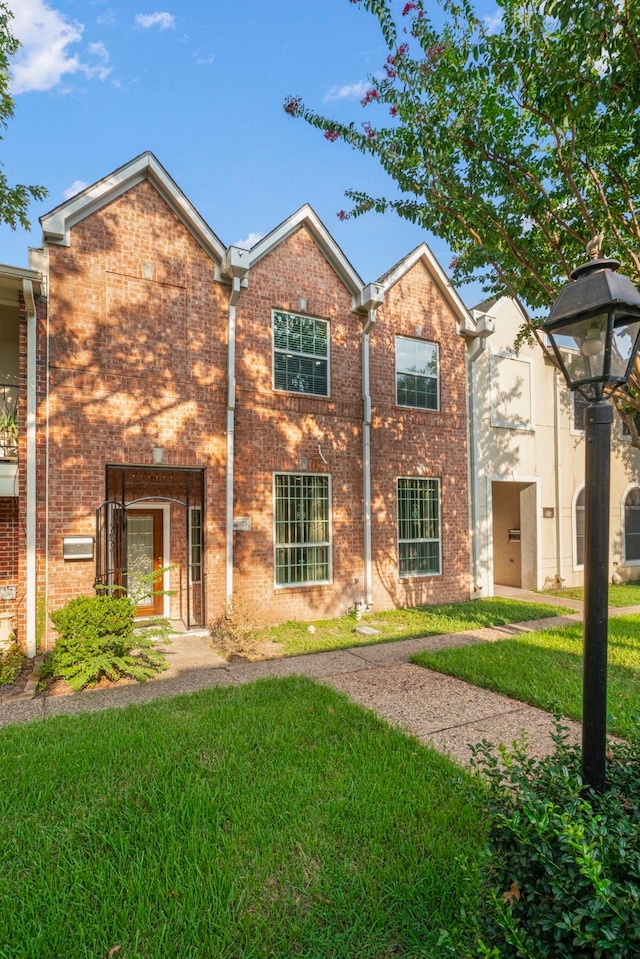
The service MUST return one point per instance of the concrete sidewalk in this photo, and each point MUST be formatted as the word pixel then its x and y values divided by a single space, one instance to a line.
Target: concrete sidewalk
pixel 437 709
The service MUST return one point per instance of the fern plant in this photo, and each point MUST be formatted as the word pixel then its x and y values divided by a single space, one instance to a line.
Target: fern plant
pixel 97 638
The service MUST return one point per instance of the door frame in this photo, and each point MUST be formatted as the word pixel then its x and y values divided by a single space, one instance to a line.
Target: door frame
pixel 512 478
pixel 164 508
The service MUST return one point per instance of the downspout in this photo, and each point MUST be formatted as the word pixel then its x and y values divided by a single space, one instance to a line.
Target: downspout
pixel 372 298
pixel 31 559
pixel 236 266
pixel 558 479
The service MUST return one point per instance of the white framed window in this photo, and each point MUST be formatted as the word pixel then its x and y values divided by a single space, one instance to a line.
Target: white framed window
pixel 195 545
pixel 631 526
pixel 578 528
pixel 417 373
pixel 578 406
pixel 300 353
pixel 302 528
pixel 419 546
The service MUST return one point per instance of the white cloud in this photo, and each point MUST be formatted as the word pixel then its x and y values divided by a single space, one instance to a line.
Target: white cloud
pixel 76 187
pixel 163 20
pixel 347 92
pixel 44 57
pixel 493 22
pixel 106 19
pixel 249 241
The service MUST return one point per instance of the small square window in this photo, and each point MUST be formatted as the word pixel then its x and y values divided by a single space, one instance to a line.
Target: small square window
pixel 300 353
pixel 417 373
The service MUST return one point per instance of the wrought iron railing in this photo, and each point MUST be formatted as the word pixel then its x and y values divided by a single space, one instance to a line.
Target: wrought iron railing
pixel 8 421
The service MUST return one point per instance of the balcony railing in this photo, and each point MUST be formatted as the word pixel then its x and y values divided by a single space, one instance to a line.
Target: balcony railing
pixel 8 421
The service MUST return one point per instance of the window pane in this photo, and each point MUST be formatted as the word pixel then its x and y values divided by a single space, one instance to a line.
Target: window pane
pixel 632 525
pixel 302 529
pixel 300 351
pixel 579 521
pixel 417 373
pixel 418 526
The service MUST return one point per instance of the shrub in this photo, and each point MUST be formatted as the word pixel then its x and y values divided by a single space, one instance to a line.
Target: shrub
pixel 11 664
pixel 239 634
pixel 97 638
pixel 561 874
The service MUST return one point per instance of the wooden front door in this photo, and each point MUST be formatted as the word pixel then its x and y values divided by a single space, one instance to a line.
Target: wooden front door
pixel 145 555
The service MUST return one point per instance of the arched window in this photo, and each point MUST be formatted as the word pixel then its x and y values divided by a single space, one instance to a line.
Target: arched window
pixel 632 525
pixel 578 528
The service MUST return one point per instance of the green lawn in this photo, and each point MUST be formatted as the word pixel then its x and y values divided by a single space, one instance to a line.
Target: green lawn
pixel 270 820
pixel 545 669
pixel 409 623
pixel 625 594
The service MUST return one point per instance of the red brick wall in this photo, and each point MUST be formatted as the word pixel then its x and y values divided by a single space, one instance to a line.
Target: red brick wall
pixel 411 442
pixel 137 359
pixel 275 430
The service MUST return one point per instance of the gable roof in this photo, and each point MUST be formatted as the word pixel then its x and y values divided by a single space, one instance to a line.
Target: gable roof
pixel 306 218
pixel 422 254
pixel 57 223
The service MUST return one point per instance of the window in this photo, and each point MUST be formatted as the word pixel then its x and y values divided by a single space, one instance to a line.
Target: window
pixel 632 526
pixel 302 534
pixel 417 373
pixel 578 528
pixel 195 545
pixel 419 527
pixel 579 405
pixel 300 354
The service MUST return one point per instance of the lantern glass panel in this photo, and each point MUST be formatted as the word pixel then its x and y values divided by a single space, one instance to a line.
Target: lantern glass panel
pixel 584 342
pixel 625 334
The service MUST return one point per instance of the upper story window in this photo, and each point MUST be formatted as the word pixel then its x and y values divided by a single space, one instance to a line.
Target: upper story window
pixel 300 353
pixel 632 525
pixel 417 373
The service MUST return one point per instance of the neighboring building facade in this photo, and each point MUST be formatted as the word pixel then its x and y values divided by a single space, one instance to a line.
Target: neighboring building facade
pixel 527 466
pixel 261 425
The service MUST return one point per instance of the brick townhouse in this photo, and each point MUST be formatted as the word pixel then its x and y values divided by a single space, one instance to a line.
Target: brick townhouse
pixel 261 425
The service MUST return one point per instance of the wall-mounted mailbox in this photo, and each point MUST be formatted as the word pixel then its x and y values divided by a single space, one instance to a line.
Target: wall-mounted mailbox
pixel 77 547
pixel 514 535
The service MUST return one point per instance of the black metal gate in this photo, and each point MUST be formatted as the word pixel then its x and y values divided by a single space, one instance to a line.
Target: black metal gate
pixel 129 485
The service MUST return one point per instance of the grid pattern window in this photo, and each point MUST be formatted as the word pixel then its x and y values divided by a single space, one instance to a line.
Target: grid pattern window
pixel 195 545
pixel 579 406
pixel 578 519
pixel 632 526
pixel 300 353
pixel 419 527
pixel 417 373
pixel 302 529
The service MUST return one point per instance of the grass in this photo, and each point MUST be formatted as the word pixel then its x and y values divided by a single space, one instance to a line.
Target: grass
pixel 271 820
pixel 410 623
pixel 624 594
pixel 545 669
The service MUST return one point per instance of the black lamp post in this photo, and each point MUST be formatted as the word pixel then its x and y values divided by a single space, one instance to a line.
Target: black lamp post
pixel 594 329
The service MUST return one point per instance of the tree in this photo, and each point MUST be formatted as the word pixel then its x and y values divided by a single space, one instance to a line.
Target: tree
pixel 516 142
pixel 14 200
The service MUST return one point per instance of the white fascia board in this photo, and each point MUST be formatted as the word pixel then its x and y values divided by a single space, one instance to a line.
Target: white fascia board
pixel 57 224
pixel 12 278
pixel 307 218
pixel 423 254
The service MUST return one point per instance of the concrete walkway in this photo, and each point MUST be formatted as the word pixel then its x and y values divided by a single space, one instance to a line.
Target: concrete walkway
pixel 437 709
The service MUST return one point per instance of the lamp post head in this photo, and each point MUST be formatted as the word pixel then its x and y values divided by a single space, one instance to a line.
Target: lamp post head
pixel 594 328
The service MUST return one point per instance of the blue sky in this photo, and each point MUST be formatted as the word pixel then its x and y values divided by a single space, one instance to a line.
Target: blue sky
pixel 201 85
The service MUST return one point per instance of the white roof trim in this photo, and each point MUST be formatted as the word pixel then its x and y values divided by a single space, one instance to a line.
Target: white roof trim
pixel 308 219
pixel 57 224
pixel 424 255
